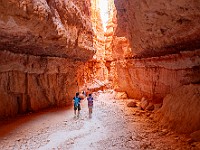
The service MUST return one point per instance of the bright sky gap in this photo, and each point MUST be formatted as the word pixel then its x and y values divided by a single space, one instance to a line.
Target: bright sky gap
pixel 104 12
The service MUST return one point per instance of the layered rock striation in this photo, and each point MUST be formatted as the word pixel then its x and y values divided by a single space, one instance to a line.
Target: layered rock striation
pixel 31 83
pixel 164 39
pixel 48 28
pixel 42 46
pixel 156 77
pixel 160 27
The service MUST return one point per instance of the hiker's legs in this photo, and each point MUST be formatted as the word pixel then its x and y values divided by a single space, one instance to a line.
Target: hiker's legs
pixel 90 112
pixel 75 108
pixel 79 108
pixel 78 113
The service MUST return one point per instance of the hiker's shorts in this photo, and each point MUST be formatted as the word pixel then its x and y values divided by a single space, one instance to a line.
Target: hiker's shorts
pixel 77 107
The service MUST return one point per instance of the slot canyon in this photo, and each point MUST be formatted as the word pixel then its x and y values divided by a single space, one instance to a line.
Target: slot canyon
pixel 142 68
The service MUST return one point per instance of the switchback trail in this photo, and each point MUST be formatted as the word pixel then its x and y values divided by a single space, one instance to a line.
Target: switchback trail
pixel 113 126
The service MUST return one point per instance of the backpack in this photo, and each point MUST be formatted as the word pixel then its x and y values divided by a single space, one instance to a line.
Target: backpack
pixel 76 101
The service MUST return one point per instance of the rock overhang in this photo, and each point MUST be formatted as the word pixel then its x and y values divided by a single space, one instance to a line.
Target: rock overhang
pixel 57 29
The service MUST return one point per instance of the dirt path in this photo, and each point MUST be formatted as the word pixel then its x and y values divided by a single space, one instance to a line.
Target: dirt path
pixel 113 126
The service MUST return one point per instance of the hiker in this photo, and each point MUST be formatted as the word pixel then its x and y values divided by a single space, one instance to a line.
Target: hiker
pixel 84 93
pixel 90 104
pixel 77 105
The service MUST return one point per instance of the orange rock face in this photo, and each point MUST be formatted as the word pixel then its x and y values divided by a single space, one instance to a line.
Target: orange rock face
pixel 31 83
pixel 51 49
pixel 164 38
pixel 160 27
pixel 117 45
pixel 47 28
pixel 156 77
pixel 42 46
pixel 154 30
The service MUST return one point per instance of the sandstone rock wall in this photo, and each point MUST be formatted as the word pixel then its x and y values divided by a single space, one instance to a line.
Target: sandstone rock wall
pixel 160 27
pixel 116 44
pixel 42 46
pixel 49 28
pixel 156 77
pixel 164 37
pixel 31 83
pixel 145 21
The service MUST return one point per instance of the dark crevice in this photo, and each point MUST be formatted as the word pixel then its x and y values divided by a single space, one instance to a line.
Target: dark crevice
pixel 46 55
pixel 170 49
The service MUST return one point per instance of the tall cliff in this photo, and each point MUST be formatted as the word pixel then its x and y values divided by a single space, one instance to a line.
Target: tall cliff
pixel 42 46
pixel 164 39
pixel 168 29
pixel 160 27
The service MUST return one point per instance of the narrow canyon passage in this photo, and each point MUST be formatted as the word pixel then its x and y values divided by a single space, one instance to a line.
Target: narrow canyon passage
pixel 149 52
pixel 113 126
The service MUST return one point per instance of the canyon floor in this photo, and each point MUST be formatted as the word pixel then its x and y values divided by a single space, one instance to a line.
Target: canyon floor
pixel 113 126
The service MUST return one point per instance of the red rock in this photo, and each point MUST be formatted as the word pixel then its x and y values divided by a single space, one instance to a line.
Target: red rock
pixel 158 63
pixel 159 27
pixel 132 104
pixel 47 28
pixel 195 136
pixel 150 107
pixel 43 45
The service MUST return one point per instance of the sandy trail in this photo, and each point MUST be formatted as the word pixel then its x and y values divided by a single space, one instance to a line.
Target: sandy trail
pixel 113 126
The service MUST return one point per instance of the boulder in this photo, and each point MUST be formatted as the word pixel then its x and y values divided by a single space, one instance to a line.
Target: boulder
pixel 144 103
pixel 121 95
pixel 157 106
pixel 150 107
pixel 132 104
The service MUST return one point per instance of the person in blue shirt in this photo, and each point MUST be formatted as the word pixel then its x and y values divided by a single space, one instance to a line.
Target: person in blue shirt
pixel 90 104
pixel 77 105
